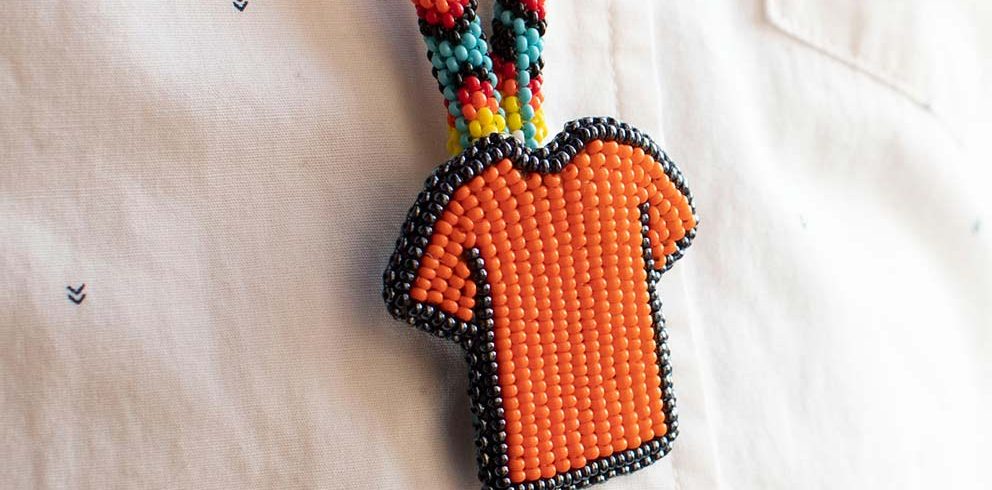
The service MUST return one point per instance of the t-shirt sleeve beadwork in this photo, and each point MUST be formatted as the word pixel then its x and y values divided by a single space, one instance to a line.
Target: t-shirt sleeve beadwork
pixel 443 278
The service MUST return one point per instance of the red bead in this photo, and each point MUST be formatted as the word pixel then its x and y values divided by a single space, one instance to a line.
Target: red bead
pixel 472 83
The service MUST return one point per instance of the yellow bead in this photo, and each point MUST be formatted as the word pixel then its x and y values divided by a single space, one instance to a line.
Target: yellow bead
pixel 475 129
pixel 454 144
pixel 485 116
pixel 500 123
pixel 542 128
pixel 513 120
pixel 511 104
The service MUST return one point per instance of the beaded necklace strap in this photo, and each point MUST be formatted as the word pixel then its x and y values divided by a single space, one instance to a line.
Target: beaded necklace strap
pixel 457 48
pixel 518 28
pixel 469 78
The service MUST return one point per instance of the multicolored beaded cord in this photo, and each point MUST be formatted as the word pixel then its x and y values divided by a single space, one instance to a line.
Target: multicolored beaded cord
pixel 469 78
pixel 518 28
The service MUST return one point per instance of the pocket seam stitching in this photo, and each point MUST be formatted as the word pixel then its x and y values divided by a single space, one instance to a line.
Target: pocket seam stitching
pixel 832 50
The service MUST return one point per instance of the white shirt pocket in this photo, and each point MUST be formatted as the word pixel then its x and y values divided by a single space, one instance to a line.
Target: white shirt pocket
pixel 922 49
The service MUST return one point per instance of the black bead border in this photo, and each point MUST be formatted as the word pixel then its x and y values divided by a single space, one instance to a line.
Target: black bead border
pixel 477 337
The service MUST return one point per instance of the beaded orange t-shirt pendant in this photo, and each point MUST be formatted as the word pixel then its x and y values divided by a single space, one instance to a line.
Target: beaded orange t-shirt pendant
pixel 542 262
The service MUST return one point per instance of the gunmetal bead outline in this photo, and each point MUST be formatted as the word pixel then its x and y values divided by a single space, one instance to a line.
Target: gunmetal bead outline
pixel 476 336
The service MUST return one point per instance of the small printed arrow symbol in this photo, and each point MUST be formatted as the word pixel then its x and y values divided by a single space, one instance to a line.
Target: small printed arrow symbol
pixel 76 295
pixel 240 5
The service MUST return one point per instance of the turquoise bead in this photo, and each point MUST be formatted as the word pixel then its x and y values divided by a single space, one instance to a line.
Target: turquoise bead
pixel 438 61
pixel 524 94
pixel 534 53
pixel 529 130
pixel 519 27
pixel 452 64
pixel 533 36
pixel 523 77
pixel 522 44
pixel 461 54
pixel 527 112
pixel 523 61
pixel 475 28
pixel 469 40
pixel 444 48
pixel 455 108
pixel 465 141
pixel 475 57
pixel 449 93
pixel 461 125
pixel 443 78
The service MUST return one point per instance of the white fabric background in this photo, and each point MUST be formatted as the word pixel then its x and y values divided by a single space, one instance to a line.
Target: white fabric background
pixel 229 186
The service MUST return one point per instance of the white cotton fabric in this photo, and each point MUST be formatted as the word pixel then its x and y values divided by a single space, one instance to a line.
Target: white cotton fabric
pixel 229 186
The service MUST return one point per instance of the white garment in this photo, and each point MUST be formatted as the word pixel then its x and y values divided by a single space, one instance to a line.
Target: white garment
pixel 229 185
